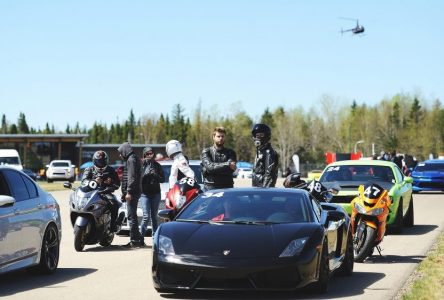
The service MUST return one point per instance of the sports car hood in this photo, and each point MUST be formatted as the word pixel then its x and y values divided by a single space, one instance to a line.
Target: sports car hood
pixel 242 241
pixel 429 174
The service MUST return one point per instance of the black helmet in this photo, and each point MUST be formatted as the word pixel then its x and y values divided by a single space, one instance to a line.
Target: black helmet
pixel 100 159
pixel 261 128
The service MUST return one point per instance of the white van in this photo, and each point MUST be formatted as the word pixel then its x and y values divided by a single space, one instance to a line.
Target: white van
pixel 11 158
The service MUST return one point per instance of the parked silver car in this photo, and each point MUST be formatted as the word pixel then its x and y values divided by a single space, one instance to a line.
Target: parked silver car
pixel 164 188
pixel 30 226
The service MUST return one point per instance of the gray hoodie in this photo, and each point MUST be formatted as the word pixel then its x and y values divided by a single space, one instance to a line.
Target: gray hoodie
pixel 131 172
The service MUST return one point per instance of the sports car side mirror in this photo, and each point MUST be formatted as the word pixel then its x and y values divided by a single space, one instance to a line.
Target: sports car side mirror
pixel 408 179
pixel 167 214
pixel 334 215
pixel 6 200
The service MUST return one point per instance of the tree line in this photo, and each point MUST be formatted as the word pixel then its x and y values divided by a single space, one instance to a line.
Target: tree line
pixel 404 123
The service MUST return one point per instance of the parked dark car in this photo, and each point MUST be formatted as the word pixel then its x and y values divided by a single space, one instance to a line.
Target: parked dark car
pixel 428 176
pixel 252 239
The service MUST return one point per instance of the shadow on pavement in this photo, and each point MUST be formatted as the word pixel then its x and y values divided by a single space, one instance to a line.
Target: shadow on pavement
pixel 114 248
pixel 394 259
pixel 356 284
pixel 418 229
pixel 24 280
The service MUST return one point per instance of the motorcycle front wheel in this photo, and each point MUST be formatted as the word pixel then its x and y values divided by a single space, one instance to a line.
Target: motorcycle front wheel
pixel 363 244
pixel 79 238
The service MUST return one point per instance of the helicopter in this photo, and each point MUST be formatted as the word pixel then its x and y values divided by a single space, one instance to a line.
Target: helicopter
pixel 356 30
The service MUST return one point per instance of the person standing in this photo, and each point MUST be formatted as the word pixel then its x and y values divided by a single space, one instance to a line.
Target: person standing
pixel 265 167
pixel 152 176
pixel 218 163
pixel 180 167
pixel 131 190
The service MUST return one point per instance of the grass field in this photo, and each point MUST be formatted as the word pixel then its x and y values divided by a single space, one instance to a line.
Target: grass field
pixel 55 186
pixel 427 281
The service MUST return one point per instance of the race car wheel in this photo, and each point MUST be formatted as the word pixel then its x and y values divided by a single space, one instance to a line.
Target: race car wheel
pixel 346 268
pixel 409 217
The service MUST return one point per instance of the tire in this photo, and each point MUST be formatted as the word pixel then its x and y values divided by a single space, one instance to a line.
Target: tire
pixel 409 219
pixel 364 251
pixel 107 239
pixel 397 226
pixel 79 238
pixel 49 180
pixel 321 286
pixel 49 255
pixel 346 269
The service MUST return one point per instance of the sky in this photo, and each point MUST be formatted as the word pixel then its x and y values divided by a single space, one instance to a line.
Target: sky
pixel 64 62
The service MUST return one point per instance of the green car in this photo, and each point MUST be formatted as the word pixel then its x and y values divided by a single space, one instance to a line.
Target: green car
pixel 347 175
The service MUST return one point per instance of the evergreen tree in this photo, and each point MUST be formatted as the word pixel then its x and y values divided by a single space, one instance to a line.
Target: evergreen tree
pixel 13 129
pixel 22 126
pixel 267 118
pixel 4 127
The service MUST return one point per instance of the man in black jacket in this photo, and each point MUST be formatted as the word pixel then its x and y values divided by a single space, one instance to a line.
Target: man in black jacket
pixel 152 176
pixel 131 190
pixel 106 178
pixel 218 163
pixel 266 162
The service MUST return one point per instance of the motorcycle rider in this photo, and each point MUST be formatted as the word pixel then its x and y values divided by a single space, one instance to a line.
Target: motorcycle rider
pixel 265 167
pixel 180 167
pixel 106 177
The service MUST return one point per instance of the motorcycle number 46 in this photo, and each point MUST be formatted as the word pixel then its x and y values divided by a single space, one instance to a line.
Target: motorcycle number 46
pixel 372 192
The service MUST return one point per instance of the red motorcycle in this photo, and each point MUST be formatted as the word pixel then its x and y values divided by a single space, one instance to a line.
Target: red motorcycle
pixel 183 191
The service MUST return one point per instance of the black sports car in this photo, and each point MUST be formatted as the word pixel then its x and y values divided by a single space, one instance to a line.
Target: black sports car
pixel 252 239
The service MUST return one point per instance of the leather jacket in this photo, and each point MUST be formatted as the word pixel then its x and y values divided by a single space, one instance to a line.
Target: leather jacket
pixel 265 167
pixel 152 176
pixel 216 167
pixel 91 173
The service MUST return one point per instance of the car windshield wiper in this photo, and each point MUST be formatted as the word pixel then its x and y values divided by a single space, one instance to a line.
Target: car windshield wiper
pixel 247 222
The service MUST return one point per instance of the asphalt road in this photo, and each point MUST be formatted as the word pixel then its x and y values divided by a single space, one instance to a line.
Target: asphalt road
pixel 119 273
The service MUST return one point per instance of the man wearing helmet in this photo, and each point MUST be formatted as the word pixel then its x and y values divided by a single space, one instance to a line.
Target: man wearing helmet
pixel 218 163
pixel 180 167
pixel 106 177
pixel 266 162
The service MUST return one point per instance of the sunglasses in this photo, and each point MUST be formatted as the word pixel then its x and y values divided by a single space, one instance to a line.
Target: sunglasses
pixel 149 153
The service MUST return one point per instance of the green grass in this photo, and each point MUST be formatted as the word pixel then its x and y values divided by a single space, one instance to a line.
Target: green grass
pixel 428 279
pixel 55 186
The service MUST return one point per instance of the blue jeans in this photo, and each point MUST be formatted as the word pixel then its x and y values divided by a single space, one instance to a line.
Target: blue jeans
pixel 150 206
pixel 133 222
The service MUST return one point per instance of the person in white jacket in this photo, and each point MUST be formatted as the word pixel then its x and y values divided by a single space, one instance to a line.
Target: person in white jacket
pixel 180 167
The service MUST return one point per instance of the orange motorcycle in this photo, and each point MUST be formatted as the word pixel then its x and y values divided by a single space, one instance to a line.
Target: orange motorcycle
pixel 369 219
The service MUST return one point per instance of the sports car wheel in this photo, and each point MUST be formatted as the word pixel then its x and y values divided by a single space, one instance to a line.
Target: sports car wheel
pixel 409 217
pixel 49 255
pixel 321 286
pixel 349 260
pixel 79 238
pixel 397 225
pixel 363 245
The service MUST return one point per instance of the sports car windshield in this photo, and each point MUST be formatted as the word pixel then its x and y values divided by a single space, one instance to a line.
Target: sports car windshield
pixel 358 173
pixel 249 207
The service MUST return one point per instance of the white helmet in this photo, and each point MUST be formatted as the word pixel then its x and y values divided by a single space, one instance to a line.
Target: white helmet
pixel 173 147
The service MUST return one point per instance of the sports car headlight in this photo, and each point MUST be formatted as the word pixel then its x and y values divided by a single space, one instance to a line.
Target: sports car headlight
pixel 294 248
pixel 166 245
pixel 360 209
